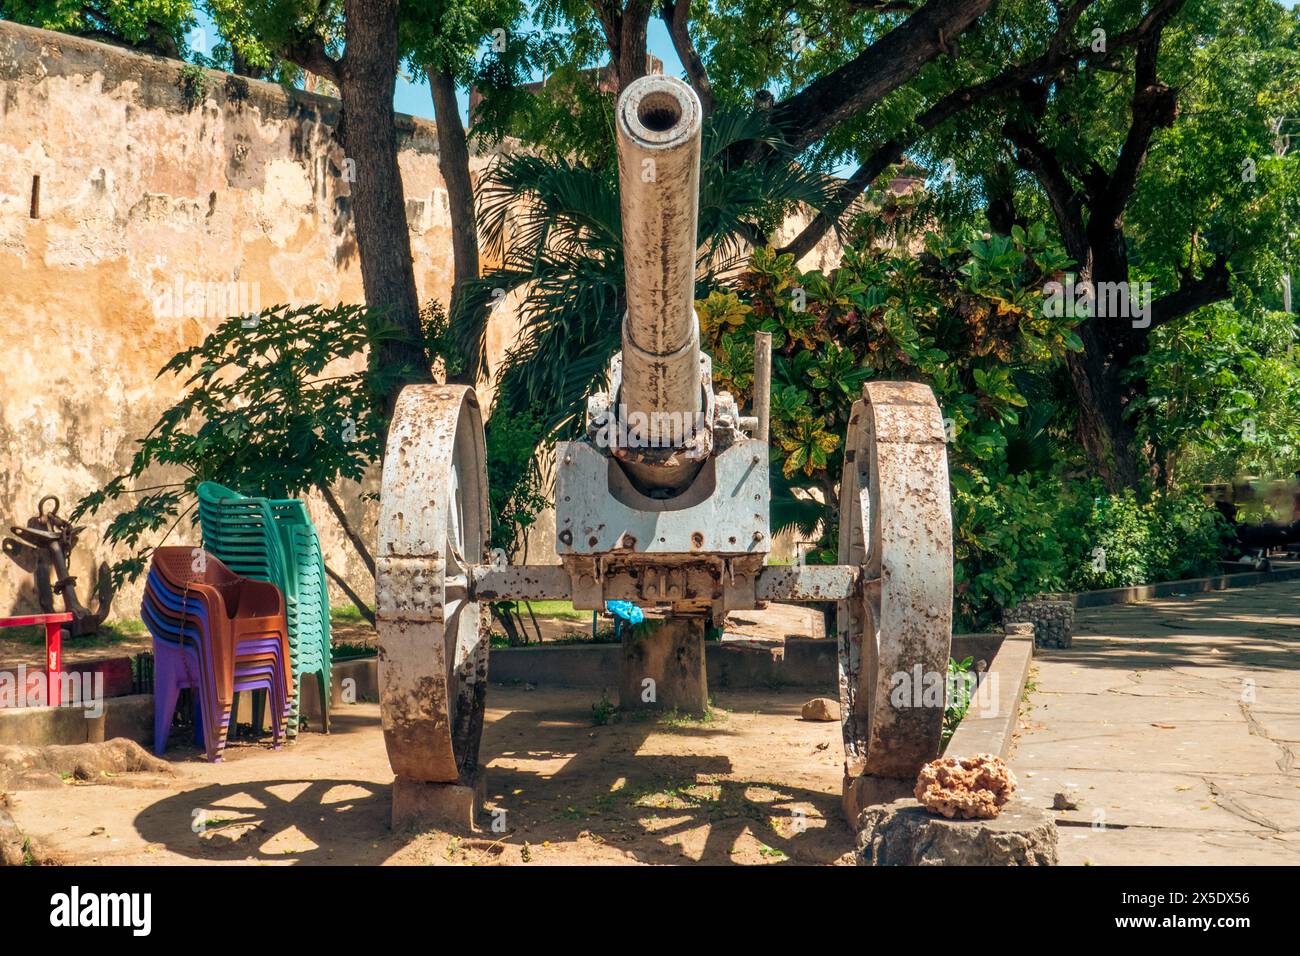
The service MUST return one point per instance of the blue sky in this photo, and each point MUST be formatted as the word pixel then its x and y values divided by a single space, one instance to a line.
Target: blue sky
pixel 416 99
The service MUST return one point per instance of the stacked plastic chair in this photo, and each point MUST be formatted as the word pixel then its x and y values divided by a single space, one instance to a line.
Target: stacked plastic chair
pixel 216 634
pixel 274 540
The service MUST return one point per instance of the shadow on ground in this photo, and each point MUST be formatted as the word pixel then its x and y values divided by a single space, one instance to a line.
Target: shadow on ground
pixel 754 785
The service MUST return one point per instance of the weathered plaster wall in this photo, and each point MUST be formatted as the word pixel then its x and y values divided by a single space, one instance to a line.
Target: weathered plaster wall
pixel 140 188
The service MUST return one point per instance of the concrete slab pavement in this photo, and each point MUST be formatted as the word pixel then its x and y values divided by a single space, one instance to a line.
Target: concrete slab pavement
pixel 1176 723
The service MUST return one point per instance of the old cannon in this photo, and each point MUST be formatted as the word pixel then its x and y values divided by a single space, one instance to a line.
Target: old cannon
pixel 663 502
pixel 43 548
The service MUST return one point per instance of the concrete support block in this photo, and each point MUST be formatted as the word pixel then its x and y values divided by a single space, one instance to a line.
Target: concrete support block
pixel 441 806
pixel 43 725
pixel 858 793
pixel 904 833
pixel 669 652
pixel 130 717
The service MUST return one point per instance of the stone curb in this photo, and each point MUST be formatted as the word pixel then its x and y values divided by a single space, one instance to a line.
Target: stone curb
pixel 991 734
pixel 1146 592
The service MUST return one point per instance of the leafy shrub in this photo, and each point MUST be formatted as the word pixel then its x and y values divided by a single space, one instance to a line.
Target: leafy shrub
pixel 1032 535
pixel 1010 542
pixel 1115 544
pixel 1190 538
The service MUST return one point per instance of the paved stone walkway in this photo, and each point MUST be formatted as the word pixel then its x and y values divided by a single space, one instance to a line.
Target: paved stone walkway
pixel 1177 722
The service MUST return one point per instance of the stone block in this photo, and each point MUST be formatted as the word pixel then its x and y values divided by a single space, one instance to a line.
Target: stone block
pixel 1053 621
pixel 859 793
pixel 904 833
pixel 452 807
pixel 670 652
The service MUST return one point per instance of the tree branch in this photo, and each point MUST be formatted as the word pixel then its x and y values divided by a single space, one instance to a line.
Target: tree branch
pixel 1212 285
pixel 878 70
pixel 1155 106
pixel 676 15
pixel 1056 57
pixel 624 25
pixel 466 320
pixel 308 51
pixel 883 6
pixel 1034 155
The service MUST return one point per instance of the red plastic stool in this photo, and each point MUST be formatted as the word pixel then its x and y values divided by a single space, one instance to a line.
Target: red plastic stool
pixel 53 648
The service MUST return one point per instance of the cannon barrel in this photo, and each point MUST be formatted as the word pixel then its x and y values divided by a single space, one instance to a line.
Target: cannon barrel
pixel 658 126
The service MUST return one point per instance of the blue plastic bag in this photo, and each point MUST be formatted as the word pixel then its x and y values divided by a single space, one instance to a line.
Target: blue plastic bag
pixel 626 610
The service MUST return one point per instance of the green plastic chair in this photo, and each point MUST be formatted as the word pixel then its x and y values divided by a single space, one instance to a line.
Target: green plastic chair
pixel 274 540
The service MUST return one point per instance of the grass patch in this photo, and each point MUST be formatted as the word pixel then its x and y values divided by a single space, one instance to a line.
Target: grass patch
pixel 606 711
pixel 561 610
pixel 346 650
pixel 603 711
pixel 677 718
pixel 346 614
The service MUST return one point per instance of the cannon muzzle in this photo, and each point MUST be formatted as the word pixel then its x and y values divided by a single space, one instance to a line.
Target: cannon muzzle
pixel 658 123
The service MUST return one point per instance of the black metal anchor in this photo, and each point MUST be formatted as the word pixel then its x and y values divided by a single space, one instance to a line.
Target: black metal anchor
pixel 44 549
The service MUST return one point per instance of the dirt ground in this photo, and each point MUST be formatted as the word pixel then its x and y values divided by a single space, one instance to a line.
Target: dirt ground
pixel 753 785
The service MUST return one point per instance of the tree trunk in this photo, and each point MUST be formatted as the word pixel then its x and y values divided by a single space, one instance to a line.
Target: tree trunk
pixel 1098 376
pixel 1107 438
pixel 369 77
pixel 632 42
pixel 453 162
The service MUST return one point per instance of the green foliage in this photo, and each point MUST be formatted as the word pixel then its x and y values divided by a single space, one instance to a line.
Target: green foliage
pixel 193 83
pixel 257 34
pixel 1223 395
pixel 515 482
pixel 155 26
pixel 1035 534
pixel 965 317
pixel 603 711
pixel 960 688
pixel 271 405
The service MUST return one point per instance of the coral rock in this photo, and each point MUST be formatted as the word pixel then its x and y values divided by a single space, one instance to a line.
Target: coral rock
pixel 972 788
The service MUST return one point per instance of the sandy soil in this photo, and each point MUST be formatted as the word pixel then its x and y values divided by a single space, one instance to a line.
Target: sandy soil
pixel 753 785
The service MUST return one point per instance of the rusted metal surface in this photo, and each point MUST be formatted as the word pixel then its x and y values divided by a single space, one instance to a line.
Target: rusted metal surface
pixel 723 512
pixel 44 549
pixel 433 527
pixel 808 583
pixel 520 583
pixel 895 634
pixel 795 585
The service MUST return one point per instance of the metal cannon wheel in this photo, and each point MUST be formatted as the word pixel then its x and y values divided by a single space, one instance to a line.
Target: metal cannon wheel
pixel 895 634
pixel 433 525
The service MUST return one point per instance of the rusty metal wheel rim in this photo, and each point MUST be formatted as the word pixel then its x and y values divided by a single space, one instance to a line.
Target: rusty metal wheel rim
pixel 896 526
pixel 433 528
